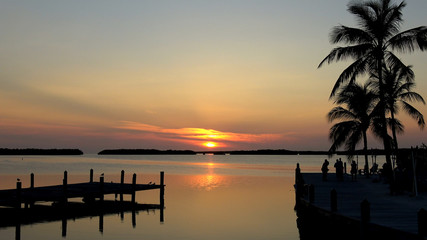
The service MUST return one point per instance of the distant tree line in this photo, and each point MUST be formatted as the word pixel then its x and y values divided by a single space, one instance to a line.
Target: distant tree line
pixel 145 152
pixel 35 151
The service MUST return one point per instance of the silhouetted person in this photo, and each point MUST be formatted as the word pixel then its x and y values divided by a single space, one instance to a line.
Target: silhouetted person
pixel 374 168
pixel 353 171
pixel 339 168
pixel 325 170
pixel 336 168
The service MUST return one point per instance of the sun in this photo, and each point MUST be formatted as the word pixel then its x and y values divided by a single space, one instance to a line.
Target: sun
pixel 210 144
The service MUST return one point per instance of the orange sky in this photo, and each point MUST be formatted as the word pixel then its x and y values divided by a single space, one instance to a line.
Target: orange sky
pixel 175 75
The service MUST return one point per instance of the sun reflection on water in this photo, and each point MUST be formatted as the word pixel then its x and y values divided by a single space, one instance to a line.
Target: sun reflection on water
pixel 208 181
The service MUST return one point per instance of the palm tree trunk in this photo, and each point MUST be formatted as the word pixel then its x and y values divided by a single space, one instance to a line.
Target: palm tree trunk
pixel 384 133
pixel 393 130
pixel 365 151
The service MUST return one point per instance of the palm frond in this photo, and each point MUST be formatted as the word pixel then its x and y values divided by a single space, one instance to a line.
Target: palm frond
pixel 342 53
pixel 340 113
pixel 402 70
pixel 414 113
pixel 397 125
pixel 339 133
pixel 364 15
pixel 412 97
pixel 409 40
pixel 350 74
pixel 349 35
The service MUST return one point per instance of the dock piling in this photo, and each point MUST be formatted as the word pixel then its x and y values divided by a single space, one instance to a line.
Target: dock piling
pixel 101 188
pixel 32 180
pixel 297 174
pixel 133 187
pixel 122 181
pixel 64 186
pixel 91 176
pixel 18 194
pixel 162 189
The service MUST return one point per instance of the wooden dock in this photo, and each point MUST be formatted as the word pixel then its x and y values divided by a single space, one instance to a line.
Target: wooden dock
pixel 22 206
pixel 88 191
pixel 401 216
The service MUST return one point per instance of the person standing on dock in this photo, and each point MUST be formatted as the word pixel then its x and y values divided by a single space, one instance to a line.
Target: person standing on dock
pixel 353 171
pixel 325 170
pixel 339 168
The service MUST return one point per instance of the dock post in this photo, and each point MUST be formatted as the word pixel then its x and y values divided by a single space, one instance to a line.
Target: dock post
pixel 334 204
pixel 101 188
pixel 133 187
pixel 365 217
pixel 311 193
pixel 422 222
pixel 32 180
pixel 162 189
pixel 18 194
pixel 91 176
pixel 65 177
pixel 122 181
pixel 297 173
pixel 299 183
pixel 64 186
pixel 31 203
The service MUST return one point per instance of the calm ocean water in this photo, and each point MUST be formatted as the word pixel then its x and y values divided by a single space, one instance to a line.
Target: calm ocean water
pixel 206 196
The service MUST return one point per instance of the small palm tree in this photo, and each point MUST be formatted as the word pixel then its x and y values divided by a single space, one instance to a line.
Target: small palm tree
pixel 398 94
pixel 371 46
pixel 356 115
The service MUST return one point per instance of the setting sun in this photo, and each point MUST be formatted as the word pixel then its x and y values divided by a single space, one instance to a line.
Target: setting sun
pixel 210 144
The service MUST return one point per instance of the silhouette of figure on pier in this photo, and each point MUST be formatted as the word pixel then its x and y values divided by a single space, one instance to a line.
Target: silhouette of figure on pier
pixel 339 169
pixel 353 171
pixel 325 170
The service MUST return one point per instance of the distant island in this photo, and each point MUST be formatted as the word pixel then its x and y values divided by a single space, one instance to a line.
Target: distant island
pixel 145 152
pixel 234 152
pixel 36 151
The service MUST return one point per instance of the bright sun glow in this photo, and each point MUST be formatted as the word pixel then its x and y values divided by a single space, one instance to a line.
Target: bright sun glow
pixel 210 144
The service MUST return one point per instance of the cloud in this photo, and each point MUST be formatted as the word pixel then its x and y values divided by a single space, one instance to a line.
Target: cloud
pixel 197 134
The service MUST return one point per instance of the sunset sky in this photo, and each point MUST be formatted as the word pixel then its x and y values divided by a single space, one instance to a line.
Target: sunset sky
pixel 236 74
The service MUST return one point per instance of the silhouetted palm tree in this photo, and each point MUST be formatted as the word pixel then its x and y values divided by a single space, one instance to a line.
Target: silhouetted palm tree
pixel 371 46
pixel 357 117
pixel 398 93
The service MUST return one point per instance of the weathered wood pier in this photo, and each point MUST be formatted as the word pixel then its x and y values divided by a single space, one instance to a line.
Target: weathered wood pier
pixel 89 191
pixel 361 209
pixel 22 206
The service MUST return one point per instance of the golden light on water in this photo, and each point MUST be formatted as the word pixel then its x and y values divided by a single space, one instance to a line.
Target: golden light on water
pixel 210 180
